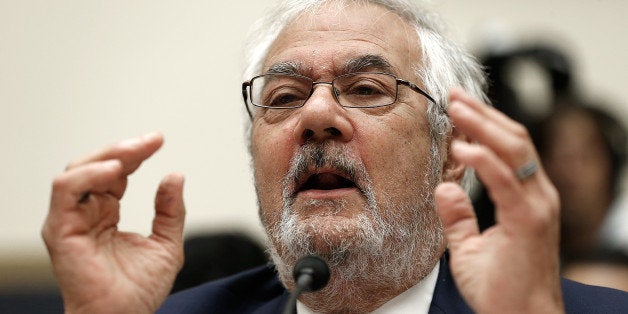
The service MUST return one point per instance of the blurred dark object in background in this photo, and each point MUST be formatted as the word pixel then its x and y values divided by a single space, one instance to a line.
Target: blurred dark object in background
pixel 213 256
pixel 34 301
pixel 508 72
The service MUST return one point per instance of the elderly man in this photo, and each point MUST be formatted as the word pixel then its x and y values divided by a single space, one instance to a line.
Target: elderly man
pixel 355 157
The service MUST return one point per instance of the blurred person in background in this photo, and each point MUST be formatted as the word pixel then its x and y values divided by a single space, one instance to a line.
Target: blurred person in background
pixel 584 151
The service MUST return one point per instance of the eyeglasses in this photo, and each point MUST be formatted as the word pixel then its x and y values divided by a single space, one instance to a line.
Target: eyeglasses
pixel 353 90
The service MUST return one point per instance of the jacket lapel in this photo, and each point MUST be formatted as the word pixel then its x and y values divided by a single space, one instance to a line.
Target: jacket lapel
pixel 446 298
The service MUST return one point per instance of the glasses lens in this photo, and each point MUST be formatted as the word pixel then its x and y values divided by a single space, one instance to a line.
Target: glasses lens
pixel 366 89
pixel 280 90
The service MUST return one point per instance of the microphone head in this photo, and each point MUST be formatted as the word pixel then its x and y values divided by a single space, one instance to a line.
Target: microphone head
pixel 315 267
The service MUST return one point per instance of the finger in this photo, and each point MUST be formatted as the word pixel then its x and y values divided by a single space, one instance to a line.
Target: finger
pixel 503 186
pixel 492 171
pixel 131 152
pixel 169 210
pixel 456 212
pixel 70 187
pixel 508 139
pixel 458 94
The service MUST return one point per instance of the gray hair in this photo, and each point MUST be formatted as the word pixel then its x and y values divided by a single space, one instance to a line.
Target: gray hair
pixel 444 63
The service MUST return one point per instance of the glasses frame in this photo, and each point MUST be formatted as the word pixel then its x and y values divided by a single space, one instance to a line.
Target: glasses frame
pixel 246 86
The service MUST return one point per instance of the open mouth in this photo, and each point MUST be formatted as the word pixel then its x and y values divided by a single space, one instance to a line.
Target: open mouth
pixel 326 181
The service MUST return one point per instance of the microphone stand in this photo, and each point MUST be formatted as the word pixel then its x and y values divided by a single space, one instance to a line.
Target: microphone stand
pixel 310 273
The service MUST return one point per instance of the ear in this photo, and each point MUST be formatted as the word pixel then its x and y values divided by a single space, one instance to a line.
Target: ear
pixel 453 171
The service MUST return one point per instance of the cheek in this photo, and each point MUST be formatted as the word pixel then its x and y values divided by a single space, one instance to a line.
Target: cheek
pixel 396 154
pixel 271 152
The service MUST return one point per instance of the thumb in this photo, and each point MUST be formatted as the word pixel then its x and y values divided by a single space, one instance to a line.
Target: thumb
pixel 169 209
pixel 456 212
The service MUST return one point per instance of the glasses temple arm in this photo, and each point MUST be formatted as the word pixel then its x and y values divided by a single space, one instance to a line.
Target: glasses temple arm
pixel 246 98
pixel 416 89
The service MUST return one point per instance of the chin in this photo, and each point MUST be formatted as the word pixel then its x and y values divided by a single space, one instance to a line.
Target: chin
pixel 336 239
pixel 332 235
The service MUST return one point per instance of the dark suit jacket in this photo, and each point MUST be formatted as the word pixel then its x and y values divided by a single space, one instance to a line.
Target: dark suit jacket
pixel 259 291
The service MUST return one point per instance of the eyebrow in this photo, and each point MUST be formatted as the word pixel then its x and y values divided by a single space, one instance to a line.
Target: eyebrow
pixel 285 67
pixel 368 62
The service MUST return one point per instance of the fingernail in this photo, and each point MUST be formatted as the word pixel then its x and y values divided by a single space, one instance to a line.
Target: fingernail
pixel 148 137
pixel 131 141
pixel 111 163
pixel 460 146
pixel 152 136
pixel 458 105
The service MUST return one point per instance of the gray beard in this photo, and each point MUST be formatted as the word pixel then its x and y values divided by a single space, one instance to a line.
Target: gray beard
pixel 391 243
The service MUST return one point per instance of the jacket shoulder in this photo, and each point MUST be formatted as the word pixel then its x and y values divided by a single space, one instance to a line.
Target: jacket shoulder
pixel 581 298
pixel 254 291
pixel 577 297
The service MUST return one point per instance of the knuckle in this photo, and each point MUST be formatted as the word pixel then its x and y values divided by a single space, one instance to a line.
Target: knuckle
pixel 553 200
pixel 504 179
pixel 60 182
pixel 47 234
pixel 480 155
pixel 542 216
pixel 521 131
pixel 539 218
pixel 519 148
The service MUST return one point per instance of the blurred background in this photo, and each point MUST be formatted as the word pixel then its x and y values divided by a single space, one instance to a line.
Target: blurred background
pixel 75 75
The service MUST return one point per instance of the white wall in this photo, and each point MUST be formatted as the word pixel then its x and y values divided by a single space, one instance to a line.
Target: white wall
pixel 75 75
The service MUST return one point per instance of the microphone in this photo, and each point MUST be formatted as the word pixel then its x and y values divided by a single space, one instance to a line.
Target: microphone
pixel 310 274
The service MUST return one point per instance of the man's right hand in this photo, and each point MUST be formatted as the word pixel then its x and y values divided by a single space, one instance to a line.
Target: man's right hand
pixel 99 268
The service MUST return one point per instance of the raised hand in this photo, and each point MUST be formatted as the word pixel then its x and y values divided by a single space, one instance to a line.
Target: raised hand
pixel 513 266
pixel 99 268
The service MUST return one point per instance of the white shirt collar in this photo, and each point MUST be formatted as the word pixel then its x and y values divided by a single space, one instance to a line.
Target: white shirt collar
pixel 417 299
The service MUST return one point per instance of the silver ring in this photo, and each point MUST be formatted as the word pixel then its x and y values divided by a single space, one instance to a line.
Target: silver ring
pixel 527 170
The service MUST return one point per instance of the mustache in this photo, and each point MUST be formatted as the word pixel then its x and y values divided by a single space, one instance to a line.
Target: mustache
pixel 327 154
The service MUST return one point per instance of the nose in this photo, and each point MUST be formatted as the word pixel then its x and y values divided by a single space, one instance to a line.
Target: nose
pixel 322 118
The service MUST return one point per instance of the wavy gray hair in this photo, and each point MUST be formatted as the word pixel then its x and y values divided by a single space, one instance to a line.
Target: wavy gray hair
pixel 444 63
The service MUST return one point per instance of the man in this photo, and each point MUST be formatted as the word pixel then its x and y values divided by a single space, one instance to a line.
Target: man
pixel 353 155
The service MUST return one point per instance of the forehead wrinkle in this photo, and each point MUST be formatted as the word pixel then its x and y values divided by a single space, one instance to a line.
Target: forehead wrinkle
pixel 337 28
pixel 406 29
